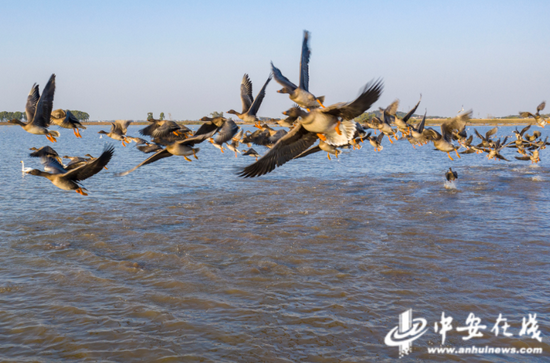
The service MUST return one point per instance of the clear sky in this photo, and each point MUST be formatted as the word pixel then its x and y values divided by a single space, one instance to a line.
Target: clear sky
pixel 122 59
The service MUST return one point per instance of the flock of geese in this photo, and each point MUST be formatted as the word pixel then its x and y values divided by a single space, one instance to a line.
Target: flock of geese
pixel 309 127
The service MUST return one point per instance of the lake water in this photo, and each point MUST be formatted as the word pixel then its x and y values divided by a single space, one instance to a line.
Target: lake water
pixel 314 262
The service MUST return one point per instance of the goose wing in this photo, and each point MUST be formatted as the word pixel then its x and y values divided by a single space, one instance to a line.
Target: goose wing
pixel 44 106
pixel 304 63
pixel 541 106
pixel 369 94
pixel 32 100
pixel 93 167
pixel 52 165
pixel 287 148
pixel 122 126
pixel 311 150
pixel 226 132
pixel 491 132
pixel 526 114
pixel 246 93
pixel 282 80
pixel 259 98
pixel 412 111
pixel 161 154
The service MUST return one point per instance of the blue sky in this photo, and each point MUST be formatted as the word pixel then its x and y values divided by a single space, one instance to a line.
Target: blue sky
pixel 122 59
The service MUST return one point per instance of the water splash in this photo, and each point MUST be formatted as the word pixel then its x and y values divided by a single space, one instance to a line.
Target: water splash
pixel 537 178
pixel 450 185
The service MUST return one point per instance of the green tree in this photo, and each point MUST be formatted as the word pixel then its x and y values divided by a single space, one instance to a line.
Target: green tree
pixel 216 114
pixel 81 115
pixel 161 117
pixel 149 116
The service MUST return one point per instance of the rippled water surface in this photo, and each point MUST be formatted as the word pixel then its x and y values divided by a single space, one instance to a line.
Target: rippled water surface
pixel 314 262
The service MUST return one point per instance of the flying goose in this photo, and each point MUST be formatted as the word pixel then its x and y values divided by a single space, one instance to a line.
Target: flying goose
pixel 299 94
pixel 70 180
pixel 38 110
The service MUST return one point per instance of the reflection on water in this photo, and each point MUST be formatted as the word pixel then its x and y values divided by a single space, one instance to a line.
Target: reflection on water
pixel 313 262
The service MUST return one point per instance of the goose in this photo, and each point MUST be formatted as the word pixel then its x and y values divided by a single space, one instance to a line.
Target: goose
pixel 38 110
pixel 179 148
pixel 44 151
pixel 443 141
pixel 376 141
pixel 161 128
pixel 70 180
pixel 250 105
pixel 67 120
pixel 318 124
pixel 299 94
pixel 538 118
pixel 118 131
pixel 251 152
pixel 451 175
pixel 235 140
pixel 402 124
pixel 225 133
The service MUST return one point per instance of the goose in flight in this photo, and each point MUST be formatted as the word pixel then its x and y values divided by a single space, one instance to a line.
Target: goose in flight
pixel 67 120
pixel 299 94
pixel 538 118
pixel 118 131
pixel 250 105
pixel 38 110
pixel 318 124
pixel 70 180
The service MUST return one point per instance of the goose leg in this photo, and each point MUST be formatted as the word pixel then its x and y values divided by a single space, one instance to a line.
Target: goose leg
pixel 81 192
pixel 449 155
pixel 456 151
pixel 322 137
pixel 328 156
pixel 337 128
pixel 195 154
pixel 186 158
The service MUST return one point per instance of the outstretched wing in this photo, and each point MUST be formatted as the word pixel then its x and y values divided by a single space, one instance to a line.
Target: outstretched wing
pixel 287 148
pixel 304 63
pixel 92 167
pixel 52 165
pixel 369 95
pixel 311 150
pixel 541 106
pixel 32 100
pixel 259 98
pixel 44 107
pixel 226 132
pixel 161 154
pixel 526 114
pixel 412 111
pixel 282 80
pixel 246 93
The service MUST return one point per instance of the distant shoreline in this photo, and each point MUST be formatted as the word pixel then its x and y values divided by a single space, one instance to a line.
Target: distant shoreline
pixel 429 122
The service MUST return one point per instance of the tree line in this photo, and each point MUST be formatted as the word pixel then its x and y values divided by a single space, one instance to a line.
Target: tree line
pixel 6 115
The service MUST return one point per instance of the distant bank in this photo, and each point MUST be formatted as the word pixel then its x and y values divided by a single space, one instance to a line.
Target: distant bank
pixel 429 122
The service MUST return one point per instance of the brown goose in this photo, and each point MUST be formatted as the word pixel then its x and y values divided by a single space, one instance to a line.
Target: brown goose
pixel 299 94
pixel 70 180
pixel 38 110
pixel 67 120
pixel 307 131
pixel 250 105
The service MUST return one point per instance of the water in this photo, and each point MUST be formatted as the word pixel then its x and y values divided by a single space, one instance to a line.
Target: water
pixel 184 261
